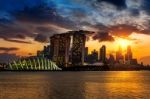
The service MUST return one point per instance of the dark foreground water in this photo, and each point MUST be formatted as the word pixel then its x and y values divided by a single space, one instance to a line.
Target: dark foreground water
pixel 75 85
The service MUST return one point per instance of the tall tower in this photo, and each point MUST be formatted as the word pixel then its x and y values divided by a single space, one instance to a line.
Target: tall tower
pixel 78 48
pixel 111 59
pixel 119 56
pixel 103 54
pixel 68 48
pixel 94 55
pixel 128 55
pixel 60 49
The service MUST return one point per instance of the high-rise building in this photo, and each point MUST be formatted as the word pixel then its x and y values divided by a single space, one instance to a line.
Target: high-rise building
pixel 103 54
pixel 68 48
pixel 133 62
pixel 94 53
pixel 46 51
pixel 60 44
pixel 111 59
pixel 119 56
pixel 128 55
pixel 93 57
pixel 78 48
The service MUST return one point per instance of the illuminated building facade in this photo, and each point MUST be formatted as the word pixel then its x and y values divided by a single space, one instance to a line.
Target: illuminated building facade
pixel 68 48
pixel 78 48
pixel 60 44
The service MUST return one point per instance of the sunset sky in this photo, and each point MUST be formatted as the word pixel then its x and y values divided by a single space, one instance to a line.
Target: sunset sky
pixel 26 25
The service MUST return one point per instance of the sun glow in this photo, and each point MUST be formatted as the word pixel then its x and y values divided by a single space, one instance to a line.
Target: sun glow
pixel 123 42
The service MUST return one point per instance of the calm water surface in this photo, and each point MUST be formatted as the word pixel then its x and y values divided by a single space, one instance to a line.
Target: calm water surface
pixel 75 85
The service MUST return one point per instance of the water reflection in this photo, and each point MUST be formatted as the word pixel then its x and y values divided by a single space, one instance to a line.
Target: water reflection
pixel 74 85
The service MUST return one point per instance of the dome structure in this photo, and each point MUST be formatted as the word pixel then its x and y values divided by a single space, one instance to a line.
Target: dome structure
pixel 33 64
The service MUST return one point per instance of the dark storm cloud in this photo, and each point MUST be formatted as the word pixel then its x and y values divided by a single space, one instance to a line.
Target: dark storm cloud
pixel 124 30
pixel 101 27
pixel 134 12
pixel 44 29
pixel 41 38
pixel 43 14
pixel 146 6
pixel 31 19
pixel 17 41
pixel 103 36
pixel 120 4
pixel 5 49
pixel 13 30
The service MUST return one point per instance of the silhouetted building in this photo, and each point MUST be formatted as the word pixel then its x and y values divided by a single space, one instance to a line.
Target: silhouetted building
pixel 93 57
pixel 133 62
pixel 111 59
pixel 40 54
pixel 103 54
pixel 128 55
pixel 119 56
pixel 86 54
pixel 46 52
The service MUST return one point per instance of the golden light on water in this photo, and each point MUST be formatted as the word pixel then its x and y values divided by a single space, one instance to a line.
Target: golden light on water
pixel 116 84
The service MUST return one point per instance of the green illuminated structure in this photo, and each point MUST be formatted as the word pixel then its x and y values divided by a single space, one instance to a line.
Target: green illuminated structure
pixel 33 64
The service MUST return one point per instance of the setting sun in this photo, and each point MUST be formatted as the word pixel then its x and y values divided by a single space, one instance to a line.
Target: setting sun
pixel 123 42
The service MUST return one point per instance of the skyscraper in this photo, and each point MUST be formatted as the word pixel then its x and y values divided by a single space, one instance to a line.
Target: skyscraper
pixel 60 44
pixel 128 55
pixel 111 59
pixel 46 51
pixel 93 57
pixel 119 56
pixel 68 48
pixel 103 54
pixel 78 47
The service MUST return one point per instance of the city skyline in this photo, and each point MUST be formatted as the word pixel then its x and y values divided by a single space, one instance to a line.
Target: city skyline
pixel 69 49
pixel 27 26
pixel 74 49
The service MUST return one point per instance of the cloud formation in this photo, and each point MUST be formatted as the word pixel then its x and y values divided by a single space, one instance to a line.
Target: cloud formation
pixel 41 38
pixel 5 49
pixel 103 36
pixel 120 4
pixel 39 19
